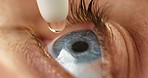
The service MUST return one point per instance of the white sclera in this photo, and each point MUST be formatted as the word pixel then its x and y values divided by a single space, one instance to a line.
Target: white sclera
pixel 53 10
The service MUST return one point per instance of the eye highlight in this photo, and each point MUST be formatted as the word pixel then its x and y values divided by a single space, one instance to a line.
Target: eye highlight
pixel 77 52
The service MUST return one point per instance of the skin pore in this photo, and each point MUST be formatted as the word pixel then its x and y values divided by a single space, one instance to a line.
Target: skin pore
pixel 21 57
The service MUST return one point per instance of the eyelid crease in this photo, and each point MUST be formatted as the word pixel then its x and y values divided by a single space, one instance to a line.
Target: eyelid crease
pixel 38 43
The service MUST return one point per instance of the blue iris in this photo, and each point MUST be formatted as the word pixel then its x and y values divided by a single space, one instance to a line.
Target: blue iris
pixel 83 45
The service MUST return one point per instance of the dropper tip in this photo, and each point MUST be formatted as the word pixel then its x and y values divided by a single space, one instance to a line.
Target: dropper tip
pixel 57 26
pixel 54 12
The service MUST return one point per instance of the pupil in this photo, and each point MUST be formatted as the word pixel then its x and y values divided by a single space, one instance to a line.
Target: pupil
pixel 80 46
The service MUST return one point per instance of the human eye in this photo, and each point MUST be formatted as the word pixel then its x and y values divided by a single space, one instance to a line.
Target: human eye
pixel 77 52
pixel 81 49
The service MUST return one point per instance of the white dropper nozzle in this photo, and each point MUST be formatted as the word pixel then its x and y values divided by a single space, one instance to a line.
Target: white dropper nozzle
pixel 54 13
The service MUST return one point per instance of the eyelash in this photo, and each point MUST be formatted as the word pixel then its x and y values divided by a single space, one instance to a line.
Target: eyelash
pixel 80 14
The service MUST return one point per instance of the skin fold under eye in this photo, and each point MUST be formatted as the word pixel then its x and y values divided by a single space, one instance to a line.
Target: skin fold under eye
pixel 79 52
